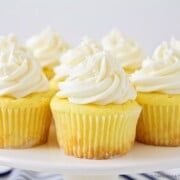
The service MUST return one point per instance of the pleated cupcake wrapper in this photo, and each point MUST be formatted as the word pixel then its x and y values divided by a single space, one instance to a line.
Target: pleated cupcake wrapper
pixel 24 127
pixel 95 136
pixel 159 125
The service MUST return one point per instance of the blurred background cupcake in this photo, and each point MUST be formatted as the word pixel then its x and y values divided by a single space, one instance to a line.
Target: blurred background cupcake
pixel 72 58
pixel 127 51
pixel 47 47
pixel 9 40
pixel 24 98
pixel 158 84
pixel 95 110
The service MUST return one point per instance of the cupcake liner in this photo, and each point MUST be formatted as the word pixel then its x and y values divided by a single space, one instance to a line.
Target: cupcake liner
pixel 159 123
pixel 25 122
pixel 24 127
pixel 96 135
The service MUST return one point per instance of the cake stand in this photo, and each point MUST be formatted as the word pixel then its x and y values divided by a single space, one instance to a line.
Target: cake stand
pixel 49 157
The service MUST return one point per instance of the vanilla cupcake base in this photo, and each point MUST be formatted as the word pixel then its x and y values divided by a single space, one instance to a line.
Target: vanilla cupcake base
pixel 130 70
pixel 24 122
pixel 54 84
pixel 48 71
pixel 159 123
pixel 95 132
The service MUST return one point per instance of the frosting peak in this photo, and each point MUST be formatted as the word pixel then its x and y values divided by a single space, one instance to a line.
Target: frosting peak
pixel 8 41
pixel 99 80
pixel 126 50
pixel 160 73
pixel 20 74
pixel 74 56
pixel 47 47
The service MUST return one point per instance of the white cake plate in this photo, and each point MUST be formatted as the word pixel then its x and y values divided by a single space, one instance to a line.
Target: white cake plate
pixel 50 158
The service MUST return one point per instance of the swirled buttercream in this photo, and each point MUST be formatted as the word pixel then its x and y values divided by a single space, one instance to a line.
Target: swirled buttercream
pixel 20 73
pixel 47 47
pixel 74 56
pixel 126 50
pixel 161 73
pixel 99 80
pixel 9 41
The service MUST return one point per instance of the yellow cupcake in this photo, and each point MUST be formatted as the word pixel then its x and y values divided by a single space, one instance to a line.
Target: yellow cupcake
pixel 160 119
pixel 99 118
pixel 92 131
pixel 25 114
pixel 24 122
pixel 48 71
pixel 159 95
pixel 54 84
pixel 130 70
pixel 126 50
pixel 72 57
pixel 47 47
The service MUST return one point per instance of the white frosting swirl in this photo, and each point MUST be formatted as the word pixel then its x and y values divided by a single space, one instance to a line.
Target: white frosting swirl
pixel 74 56
pixel 98 80
pixel 47 47
pixel 162 72
pixel 9 41
pixel 126 51
pixel 20 74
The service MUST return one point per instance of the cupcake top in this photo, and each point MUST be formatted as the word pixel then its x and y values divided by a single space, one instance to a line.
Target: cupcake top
pixel 20 74
pixel 74 56
pixel 9 40
pixel 97 80
pixel 47 47
pixel 126 50
pixel 161 73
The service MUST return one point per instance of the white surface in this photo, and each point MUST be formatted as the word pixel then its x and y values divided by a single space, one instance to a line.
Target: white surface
pixel 48 157
pixel 149 22
pixel 85 177
pixel 4 169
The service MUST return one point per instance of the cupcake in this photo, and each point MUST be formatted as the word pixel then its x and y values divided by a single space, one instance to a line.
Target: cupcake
pixel 72 58
pixel 47 47
pixel 158 84
pixel 8 40
pixel 95 110
pixel 24 98
pixel 124 49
